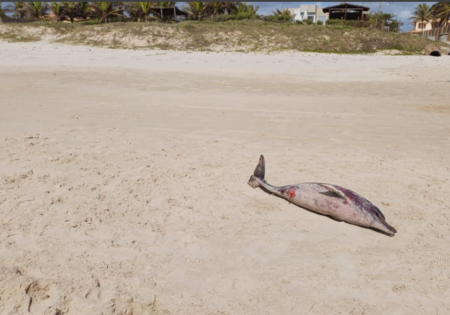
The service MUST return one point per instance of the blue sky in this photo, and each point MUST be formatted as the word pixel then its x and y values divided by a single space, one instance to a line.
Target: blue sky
pixel 403 10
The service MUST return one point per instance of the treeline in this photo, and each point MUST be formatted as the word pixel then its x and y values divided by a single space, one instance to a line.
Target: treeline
pixel 83 11
pixel 137 11
pixel 125 11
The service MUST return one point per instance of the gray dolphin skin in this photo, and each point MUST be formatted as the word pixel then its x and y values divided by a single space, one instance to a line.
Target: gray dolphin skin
pixel 337 202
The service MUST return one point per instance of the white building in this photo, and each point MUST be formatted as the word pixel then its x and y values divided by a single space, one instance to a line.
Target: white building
pixel 309 12
pixel 426 26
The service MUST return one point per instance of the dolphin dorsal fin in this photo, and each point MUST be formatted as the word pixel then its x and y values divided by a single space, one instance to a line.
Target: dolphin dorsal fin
pixel 335 190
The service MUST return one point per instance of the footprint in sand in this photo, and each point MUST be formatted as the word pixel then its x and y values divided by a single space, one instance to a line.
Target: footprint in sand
pixel 143 309
pixel 42 295
pixel 94 294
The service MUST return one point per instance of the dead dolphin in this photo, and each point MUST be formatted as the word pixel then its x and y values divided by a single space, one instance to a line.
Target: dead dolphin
pixel 331 200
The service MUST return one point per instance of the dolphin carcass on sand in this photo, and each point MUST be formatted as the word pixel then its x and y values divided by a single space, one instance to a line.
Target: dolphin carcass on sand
pixel 331 200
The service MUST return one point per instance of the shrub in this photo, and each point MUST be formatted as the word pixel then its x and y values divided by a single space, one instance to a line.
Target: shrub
pixel 238 16
pixel 309 22
pixel 334 22
pixel 364 24
pixel 357 23
pixel 280 16
pixel 319 22
pixel 245 16
pixel 224 17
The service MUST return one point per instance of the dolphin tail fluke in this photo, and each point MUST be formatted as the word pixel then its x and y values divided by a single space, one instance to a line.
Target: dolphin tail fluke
pixel 258 175
pixel 260 169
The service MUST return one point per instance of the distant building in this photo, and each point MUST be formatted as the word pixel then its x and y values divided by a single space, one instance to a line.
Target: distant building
pixel 309 12
pixel 346 11
pixel 425 26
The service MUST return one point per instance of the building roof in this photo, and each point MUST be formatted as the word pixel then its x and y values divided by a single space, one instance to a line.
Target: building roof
pixel 343 6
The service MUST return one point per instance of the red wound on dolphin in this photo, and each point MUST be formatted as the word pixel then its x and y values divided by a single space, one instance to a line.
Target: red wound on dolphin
pixel 291 193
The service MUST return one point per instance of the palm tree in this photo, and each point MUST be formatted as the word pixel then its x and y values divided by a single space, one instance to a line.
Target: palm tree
pixel 196 10
pixel 35 10
pixel 145 8
pixel 243 7
pixel 214 8
pixel 119 7
pixel 105 10
pixel 58 10
pixel 441 11
pixel 18 9
pixel 134 11
pixel 421 13
pixel 70 10
pixel 283 15
pixel 84 10
pixel 231 7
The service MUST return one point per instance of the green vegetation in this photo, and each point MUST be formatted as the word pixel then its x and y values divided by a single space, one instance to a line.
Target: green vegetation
pixel 283 15
pixel 220 11
pixel 15 38
pixel 124 11
pixel 376 21
pixel 440 11
pixel 381 21
pixel 240 11
pixel 234 35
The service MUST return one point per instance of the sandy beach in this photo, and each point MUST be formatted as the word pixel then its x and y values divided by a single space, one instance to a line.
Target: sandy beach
pixel 124 174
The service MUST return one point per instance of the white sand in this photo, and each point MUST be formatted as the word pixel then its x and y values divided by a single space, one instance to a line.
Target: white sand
pixel 123 184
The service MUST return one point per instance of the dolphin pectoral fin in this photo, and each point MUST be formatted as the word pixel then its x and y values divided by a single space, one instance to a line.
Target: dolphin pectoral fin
pixel 334 190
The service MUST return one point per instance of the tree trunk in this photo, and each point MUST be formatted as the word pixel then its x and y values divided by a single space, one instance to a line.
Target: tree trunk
pixel 422 29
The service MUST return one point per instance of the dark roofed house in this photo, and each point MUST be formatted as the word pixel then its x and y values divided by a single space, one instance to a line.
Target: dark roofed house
pixel 346 11
pixel 169 12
